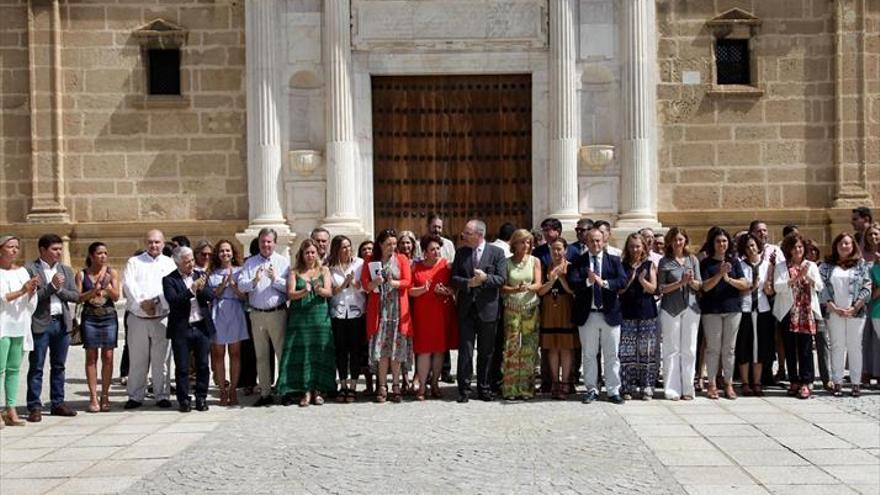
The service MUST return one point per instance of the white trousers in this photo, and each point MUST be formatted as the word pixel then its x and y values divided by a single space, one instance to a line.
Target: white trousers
pixel 268 327
pixel 593 334
pixel 846 341
pixel 720 331
pixel 148 350
pixel 679 352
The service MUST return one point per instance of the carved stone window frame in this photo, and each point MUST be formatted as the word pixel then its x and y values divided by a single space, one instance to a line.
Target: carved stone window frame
pixel 736 24
pixel 160 34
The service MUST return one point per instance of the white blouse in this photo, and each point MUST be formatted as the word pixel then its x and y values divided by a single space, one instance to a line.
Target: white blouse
pixel 15 316
pixel 350 302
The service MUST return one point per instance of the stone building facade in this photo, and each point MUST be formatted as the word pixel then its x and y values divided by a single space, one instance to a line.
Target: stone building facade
pixel 273 125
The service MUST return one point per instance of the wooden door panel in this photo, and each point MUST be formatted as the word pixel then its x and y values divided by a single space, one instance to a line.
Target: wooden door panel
pixel 456 145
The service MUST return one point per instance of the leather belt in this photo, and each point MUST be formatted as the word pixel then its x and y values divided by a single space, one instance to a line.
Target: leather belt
pixel 270 310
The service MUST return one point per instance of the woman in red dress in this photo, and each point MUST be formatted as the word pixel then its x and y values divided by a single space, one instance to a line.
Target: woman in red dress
pixel 435 328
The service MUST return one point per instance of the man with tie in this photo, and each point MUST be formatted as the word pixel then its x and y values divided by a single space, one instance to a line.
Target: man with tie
pixel 264 279
pixel 579 248
pixel 596 277
pixel 479 270
pixel 189 326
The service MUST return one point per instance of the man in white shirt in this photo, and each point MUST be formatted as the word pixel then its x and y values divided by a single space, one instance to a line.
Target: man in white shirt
pixel 264 279
pixel 435 227
pixel 772 252
pixel 147 321
pixel 502 240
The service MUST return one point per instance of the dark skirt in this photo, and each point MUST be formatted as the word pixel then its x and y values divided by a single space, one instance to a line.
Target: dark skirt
pixel 100 331
pixel 746 340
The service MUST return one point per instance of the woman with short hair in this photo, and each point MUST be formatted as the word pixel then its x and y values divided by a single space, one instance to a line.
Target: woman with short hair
pixel 754 341
pixel 18 301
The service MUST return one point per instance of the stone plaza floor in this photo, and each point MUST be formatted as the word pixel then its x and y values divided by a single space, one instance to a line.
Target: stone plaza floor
pixel 774 444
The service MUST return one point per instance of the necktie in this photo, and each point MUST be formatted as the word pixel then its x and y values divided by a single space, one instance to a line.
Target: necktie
pixel 476 259
pixel 597 289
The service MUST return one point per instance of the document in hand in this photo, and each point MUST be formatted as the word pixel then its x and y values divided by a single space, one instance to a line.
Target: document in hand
pixel 375 269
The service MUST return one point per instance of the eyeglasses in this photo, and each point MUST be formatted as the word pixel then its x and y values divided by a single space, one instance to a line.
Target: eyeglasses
pixel 579 230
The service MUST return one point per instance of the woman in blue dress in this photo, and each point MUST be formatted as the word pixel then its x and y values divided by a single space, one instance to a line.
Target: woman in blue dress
pixel 227 310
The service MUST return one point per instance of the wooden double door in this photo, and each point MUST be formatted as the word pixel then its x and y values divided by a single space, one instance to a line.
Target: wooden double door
pixel 460 146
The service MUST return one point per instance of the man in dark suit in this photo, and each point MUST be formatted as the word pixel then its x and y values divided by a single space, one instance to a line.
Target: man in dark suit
pixel 51 327
pixel 190 327
pixel 478 272
pixel 596 276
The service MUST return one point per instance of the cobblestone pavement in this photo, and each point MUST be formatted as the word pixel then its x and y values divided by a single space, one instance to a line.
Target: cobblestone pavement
pixel 432 447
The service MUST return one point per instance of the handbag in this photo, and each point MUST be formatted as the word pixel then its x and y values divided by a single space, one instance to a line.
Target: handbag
pixel 76 326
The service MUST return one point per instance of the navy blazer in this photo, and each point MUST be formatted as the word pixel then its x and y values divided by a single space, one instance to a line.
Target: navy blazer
pixel 178 297
pixel 485 297
pixel 612 272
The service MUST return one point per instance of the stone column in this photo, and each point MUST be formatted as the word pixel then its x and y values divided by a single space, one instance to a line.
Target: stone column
pixel 562 188
pixel 47 148
pixel 342 217
pixel 263 124
pixel 638 177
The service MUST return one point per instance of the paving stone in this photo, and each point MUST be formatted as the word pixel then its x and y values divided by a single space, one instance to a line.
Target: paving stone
pixel 63 469
pixel 765 457
pixel 94 486
pixel 791 475
pixel 839 457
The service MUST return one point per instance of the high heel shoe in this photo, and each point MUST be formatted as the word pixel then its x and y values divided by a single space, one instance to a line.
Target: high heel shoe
pixel 10 418
pixel 395 394
pixel 435 389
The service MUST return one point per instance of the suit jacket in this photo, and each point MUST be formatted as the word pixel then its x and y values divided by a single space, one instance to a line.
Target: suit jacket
pixel 42 317
pixel 179 303
pixel 578 275
pixel 484 297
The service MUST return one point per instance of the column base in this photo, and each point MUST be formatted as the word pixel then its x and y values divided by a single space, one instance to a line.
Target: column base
pixel 350 227
pixel 852 197
pixel 626 224
pixel 47 216
pixel 283 244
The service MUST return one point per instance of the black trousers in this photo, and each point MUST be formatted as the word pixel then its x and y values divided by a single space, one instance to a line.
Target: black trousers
pixel 798 355
pixel 823 352
pixel 194 341
pixel 248 360
pixel 472 330
pixel 348 337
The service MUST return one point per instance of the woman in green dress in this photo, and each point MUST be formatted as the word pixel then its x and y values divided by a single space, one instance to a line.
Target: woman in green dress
pixel 308 361
pixel 521 332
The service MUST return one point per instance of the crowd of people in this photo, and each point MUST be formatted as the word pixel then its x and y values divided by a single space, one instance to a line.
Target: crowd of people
pixel 541 314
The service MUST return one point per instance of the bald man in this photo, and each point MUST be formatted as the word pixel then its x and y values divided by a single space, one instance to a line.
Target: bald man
pixel 147 320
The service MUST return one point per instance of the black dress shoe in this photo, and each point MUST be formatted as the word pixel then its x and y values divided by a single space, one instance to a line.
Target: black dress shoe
pixel 287 400
pixel 447 378
pixel 201 406
pixel 590 396
pixel 264 401
pixel 616 399
pixel 463 399
pixel 486 396
pixel 184 407
pixel 164 404
pixel 132 404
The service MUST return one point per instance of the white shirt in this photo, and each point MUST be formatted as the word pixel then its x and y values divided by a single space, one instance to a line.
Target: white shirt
pixel 15 316
pixel 195 312
pixel 843 298
pixel 655 258
pixel 763 301
pixel 447 250
pixel 773 248
pixel 613 250
pixel 504 246
pixel 350 302
pixel 142 281
pixel 54 301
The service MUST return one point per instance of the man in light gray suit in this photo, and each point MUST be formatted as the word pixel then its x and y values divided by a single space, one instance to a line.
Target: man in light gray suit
pixel 50 326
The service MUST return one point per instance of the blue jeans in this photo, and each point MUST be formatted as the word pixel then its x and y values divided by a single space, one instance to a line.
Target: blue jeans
pixel 55 340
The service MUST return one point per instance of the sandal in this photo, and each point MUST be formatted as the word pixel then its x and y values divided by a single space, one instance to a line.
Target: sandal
pixel 758 391
pixel 729 393
pixel 93 407
pixel 837 392
pixel 395 394
pixel 233 397
pixel 747 390
pixel 341 395
pixel 224 396
pixel 435 390
pixel 712 393
pixel 105 403
pixel 687 397
pixel 381 395
pixel 306 399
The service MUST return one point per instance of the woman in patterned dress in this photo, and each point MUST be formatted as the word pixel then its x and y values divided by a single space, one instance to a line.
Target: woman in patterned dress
pixel 520 294
pixel 308 362
pixel 387 279
pixel 638 331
